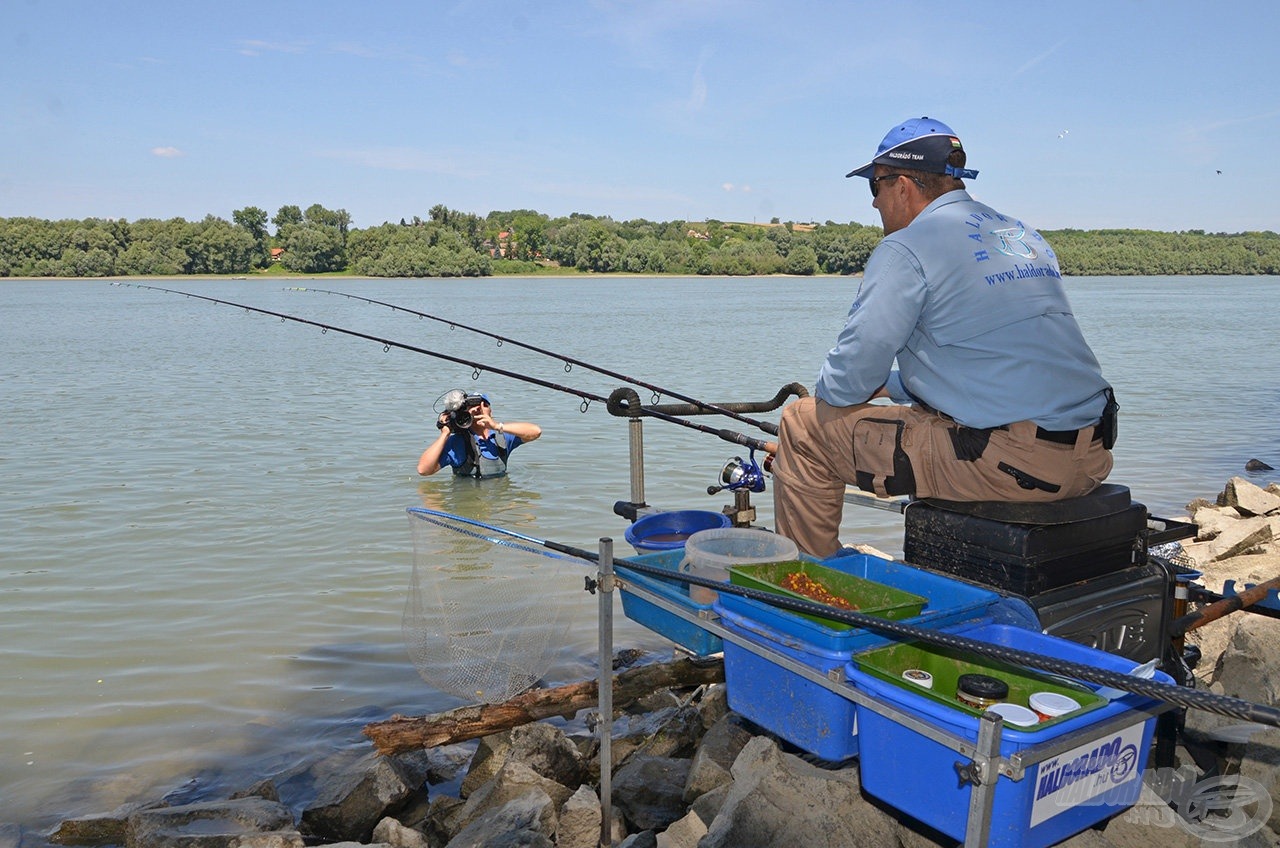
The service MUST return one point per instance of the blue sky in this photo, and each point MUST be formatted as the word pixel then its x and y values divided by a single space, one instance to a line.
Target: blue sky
pixel 1081 114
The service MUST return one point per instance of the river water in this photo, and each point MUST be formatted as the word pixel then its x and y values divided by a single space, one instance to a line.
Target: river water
pixel 204 553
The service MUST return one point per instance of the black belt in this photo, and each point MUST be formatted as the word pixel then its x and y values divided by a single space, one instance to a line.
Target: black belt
pixel 1064 437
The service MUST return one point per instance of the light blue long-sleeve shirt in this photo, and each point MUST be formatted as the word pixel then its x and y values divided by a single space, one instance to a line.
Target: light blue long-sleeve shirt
pixel 971 305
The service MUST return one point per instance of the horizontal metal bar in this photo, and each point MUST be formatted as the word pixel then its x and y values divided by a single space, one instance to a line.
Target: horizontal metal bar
pixel 857 497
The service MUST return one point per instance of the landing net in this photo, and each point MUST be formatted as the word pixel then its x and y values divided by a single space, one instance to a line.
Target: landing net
pixel 483 619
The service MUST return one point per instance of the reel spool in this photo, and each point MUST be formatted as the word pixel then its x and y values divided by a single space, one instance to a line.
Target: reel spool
pixel 740 474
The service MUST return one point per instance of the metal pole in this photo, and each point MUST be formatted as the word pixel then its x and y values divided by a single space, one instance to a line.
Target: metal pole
pixel 605 686
pixel 984 775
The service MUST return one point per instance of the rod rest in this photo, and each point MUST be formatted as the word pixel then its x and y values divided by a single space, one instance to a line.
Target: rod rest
pixel 625 403
pixel 1107 499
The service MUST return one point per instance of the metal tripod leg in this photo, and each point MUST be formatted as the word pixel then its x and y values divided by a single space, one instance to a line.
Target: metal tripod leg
pixel 983 774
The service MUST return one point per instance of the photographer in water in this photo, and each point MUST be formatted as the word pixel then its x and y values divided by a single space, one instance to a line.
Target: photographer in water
pixel 471 441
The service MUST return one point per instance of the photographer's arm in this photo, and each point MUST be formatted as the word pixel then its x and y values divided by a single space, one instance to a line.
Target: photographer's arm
pixel 429 462
pixel 522 430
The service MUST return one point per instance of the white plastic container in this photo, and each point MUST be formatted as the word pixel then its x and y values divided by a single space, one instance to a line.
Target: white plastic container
pixel 1015 714
pixel 919 677
pixel 709 553
pixel 1048 705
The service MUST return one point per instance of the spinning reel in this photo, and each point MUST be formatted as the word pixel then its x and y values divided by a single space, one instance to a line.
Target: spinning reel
pixel 740 474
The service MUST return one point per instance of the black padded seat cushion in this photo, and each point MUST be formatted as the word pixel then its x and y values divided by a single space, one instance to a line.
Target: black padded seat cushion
pixel 1107 499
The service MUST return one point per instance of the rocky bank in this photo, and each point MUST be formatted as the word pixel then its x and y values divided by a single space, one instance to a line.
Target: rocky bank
pixel 688 772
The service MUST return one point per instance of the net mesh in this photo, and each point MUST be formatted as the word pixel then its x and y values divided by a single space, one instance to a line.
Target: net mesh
pixel 1173 553
pixel 481 620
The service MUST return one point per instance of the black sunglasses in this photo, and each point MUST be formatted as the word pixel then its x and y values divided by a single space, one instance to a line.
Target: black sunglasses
pixel 875 182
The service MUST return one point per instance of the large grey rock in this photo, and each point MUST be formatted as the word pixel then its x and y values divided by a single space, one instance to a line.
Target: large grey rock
pixel 527 821
pixel 542 747
pixel 1246 535
pixel 651 702
pixel 514 780
pixel 683 833
pixel 1248 498
pixel 779 801
pixel 709 804
pixel 442 820
pixel 677 733
pixel 714 704
pixel 1248 667
pixel 446 762
pixel 669 732
pixel 214 824
pixel 649 791
pixel 579 822
pixel 262 789
pixel 357 795
pixel 1210 521
pixel 714 757
pixel 395 834
pixel 98 828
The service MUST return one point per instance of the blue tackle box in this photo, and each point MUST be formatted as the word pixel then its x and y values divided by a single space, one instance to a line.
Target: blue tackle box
pixel 684 633
pixel 808 715
pixel 1055 799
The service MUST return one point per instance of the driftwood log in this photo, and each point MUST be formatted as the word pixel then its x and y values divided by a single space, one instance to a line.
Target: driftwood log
pixel 407 733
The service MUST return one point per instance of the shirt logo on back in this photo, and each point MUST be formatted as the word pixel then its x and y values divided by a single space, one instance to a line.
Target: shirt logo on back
pixel 1012 243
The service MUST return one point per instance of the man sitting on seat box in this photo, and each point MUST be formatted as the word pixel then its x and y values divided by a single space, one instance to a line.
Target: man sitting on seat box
pixel 997 396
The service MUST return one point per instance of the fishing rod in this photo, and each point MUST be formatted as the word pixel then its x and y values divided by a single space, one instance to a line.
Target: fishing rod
pixel 1169 693
pixel 477 367
pixel 569 361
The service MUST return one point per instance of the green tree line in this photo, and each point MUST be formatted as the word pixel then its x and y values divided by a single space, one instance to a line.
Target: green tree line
pixel 449 243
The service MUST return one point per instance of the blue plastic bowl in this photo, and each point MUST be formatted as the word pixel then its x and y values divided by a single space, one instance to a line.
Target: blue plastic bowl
pixel 667 531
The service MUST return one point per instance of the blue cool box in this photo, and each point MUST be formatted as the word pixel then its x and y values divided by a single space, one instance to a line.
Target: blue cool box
pixel 1055 799
pixel 683 633
pixel 804 713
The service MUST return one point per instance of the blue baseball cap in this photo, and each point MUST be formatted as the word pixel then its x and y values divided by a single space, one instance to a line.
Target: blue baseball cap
pixel 919 144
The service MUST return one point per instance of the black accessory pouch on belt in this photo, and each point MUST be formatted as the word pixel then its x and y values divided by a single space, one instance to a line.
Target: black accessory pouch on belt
pixel 1109 426
pixel 881 465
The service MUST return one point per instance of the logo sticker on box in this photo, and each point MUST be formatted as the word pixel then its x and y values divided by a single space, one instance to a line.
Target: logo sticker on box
pixel 1105 766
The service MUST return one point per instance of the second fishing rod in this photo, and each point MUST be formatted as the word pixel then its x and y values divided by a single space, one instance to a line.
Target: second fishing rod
pixel 569 361
pixel 610 402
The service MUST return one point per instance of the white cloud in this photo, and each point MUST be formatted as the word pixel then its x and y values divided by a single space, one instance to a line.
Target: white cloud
pixel 167 152
pixel 1035 60
pixel 698 91
pixel 255 47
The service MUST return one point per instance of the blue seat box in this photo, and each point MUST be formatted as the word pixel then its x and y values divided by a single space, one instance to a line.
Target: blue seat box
pixel 684 633
pixel 814 718
pixel 1055 799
